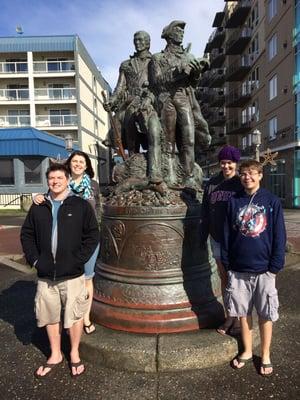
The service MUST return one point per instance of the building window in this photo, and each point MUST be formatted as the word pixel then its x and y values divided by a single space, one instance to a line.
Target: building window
pixel 60 117
pixel 32 170
pixel 272 128
pixel 273 87
pixel 254 17
pixel 272 9
pixel 7 172
pixel 254 48
pixel 272 47
pixel 244 142
pixel 18 117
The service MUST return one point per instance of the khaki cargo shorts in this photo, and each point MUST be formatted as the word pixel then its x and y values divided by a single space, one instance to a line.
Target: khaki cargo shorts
pixel 52 298
pixel 247 290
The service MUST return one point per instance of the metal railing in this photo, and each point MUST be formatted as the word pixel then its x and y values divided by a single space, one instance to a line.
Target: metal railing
pixel 55 94
pixel 14 94
pixel 54 66
pixel 14 120
pixel 56 120
pixel 18 67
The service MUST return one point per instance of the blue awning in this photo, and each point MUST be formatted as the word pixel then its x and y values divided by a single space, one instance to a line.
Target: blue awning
pixel 31 142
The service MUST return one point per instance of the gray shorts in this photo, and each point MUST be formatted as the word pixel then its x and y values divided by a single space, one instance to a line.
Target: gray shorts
pixel 51 297
pixel 215 248
pixel 245 290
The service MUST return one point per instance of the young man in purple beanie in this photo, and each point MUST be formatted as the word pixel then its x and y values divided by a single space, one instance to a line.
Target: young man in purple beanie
pixel 216 195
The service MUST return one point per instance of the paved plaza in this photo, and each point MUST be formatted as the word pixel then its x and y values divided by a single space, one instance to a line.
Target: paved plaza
pixel 24 347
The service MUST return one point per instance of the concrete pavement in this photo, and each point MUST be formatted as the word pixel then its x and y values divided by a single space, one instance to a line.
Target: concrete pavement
pixel 23 347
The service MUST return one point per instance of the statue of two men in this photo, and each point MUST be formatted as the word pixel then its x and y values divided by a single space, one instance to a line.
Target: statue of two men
pixel 156 106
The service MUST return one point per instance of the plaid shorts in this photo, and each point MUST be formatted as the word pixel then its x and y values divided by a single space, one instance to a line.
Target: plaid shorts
pixel 247 290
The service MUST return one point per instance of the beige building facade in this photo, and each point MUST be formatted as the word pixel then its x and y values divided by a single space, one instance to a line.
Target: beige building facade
pixel 52 84
pixel 252 53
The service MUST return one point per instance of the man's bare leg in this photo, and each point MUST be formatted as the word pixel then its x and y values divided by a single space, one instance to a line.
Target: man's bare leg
pixel 88 326
pixel 54 335
pixel 246 331
pixel 265 329
pixel 230 322
pixel 75 336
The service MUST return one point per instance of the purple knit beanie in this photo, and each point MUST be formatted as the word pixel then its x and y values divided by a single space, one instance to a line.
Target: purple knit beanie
pixel 229 153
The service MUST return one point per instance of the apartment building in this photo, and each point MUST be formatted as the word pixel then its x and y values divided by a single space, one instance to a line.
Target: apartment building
pixel 52 84
pixel 250 87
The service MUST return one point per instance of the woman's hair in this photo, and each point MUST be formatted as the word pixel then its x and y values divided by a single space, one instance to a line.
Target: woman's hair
pixel 89 169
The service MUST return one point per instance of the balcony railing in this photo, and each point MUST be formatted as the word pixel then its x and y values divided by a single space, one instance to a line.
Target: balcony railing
pixel 217 97
pixel 14 94
pixel 217 38
pixel 18 67
pixel 239 96
pixel 238 125
pixel 238 41
pixel 239 69
pixel 237 13
pixel 53 66
pixel 217 57
pixel 55 94
pixel 217 77
pixel 8 121
pixel 217 118
pixel 56 120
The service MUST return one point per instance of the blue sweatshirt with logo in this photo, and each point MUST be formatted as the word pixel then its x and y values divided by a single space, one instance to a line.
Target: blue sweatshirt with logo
pixel 254 233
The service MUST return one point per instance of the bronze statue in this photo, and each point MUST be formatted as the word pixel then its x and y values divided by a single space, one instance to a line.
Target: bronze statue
pixel 133 103
pixel 152 275
pixel 174 73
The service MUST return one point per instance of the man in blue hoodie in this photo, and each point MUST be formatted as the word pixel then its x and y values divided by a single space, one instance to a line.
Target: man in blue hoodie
pixel 58 237
pixel 253 253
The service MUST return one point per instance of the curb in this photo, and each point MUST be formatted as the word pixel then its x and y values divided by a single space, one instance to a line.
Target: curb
pixel 124 351
pixel 8 261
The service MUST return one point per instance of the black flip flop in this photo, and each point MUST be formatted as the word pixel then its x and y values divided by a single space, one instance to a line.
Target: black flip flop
pixel 86 328
pixel 52 367
pixel 269 365
pixel 76 365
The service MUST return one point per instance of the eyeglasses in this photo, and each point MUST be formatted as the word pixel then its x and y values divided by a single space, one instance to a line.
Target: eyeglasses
pixel 251 174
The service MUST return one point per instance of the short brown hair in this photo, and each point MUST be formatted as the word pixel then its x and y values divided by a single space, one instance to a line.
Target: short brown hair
pixel 58 167
pixel 251 164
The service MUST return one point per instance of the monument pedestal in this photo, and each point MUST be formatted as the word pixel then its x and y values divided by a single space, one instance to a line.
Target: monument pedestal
pixel 152 276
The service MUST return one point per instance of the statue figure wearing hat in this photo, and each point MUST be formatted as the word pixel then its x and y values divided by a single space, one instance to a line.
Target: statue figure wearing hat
pixel 174 73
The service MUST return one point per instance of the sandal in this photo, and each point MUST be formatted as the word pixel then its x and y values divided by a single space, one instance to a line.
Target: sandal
pixel 51 367
pixel 76 365
pixel 269 365
pixel 89 329
pixel 224 329
pixel 241 360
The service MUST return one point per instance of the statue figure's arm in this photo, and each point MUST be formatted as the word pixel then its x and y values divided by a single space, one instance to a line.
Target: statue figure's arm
pixel 120 92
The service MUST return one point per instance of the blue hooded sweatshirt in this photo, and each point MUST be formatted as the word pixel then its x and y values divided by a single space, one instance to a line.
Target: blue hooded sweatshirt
pixel 254 233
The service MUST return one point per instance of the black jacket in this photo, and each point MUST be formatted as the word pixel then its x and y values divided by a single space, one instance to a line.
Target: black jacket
pixel 77 238
pixel 216 195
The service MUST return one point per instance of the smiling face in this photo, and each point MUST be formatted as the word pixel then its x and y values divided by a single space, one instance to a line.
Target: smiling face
pixel 77 166
pixel 58 184
pixel 250 179
pixel 228 168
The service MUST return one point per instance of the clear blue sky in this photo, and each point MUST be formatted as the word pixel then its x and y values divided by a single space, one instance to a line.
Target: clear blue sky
pixel 106 27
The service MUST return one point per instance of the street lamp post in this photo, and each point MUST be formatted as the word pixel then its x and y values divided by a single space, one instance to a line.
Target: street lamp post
pixel 69 143
pixel 256 140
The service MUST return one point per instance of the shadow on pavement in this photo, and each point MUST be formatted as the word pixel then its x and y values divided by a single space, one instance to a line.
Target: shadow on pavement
pixel 17 308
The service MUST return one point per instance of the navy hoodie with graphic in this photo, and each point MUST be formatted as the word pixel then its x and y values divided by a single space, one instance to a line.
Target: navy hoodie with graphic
pixel 254 233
